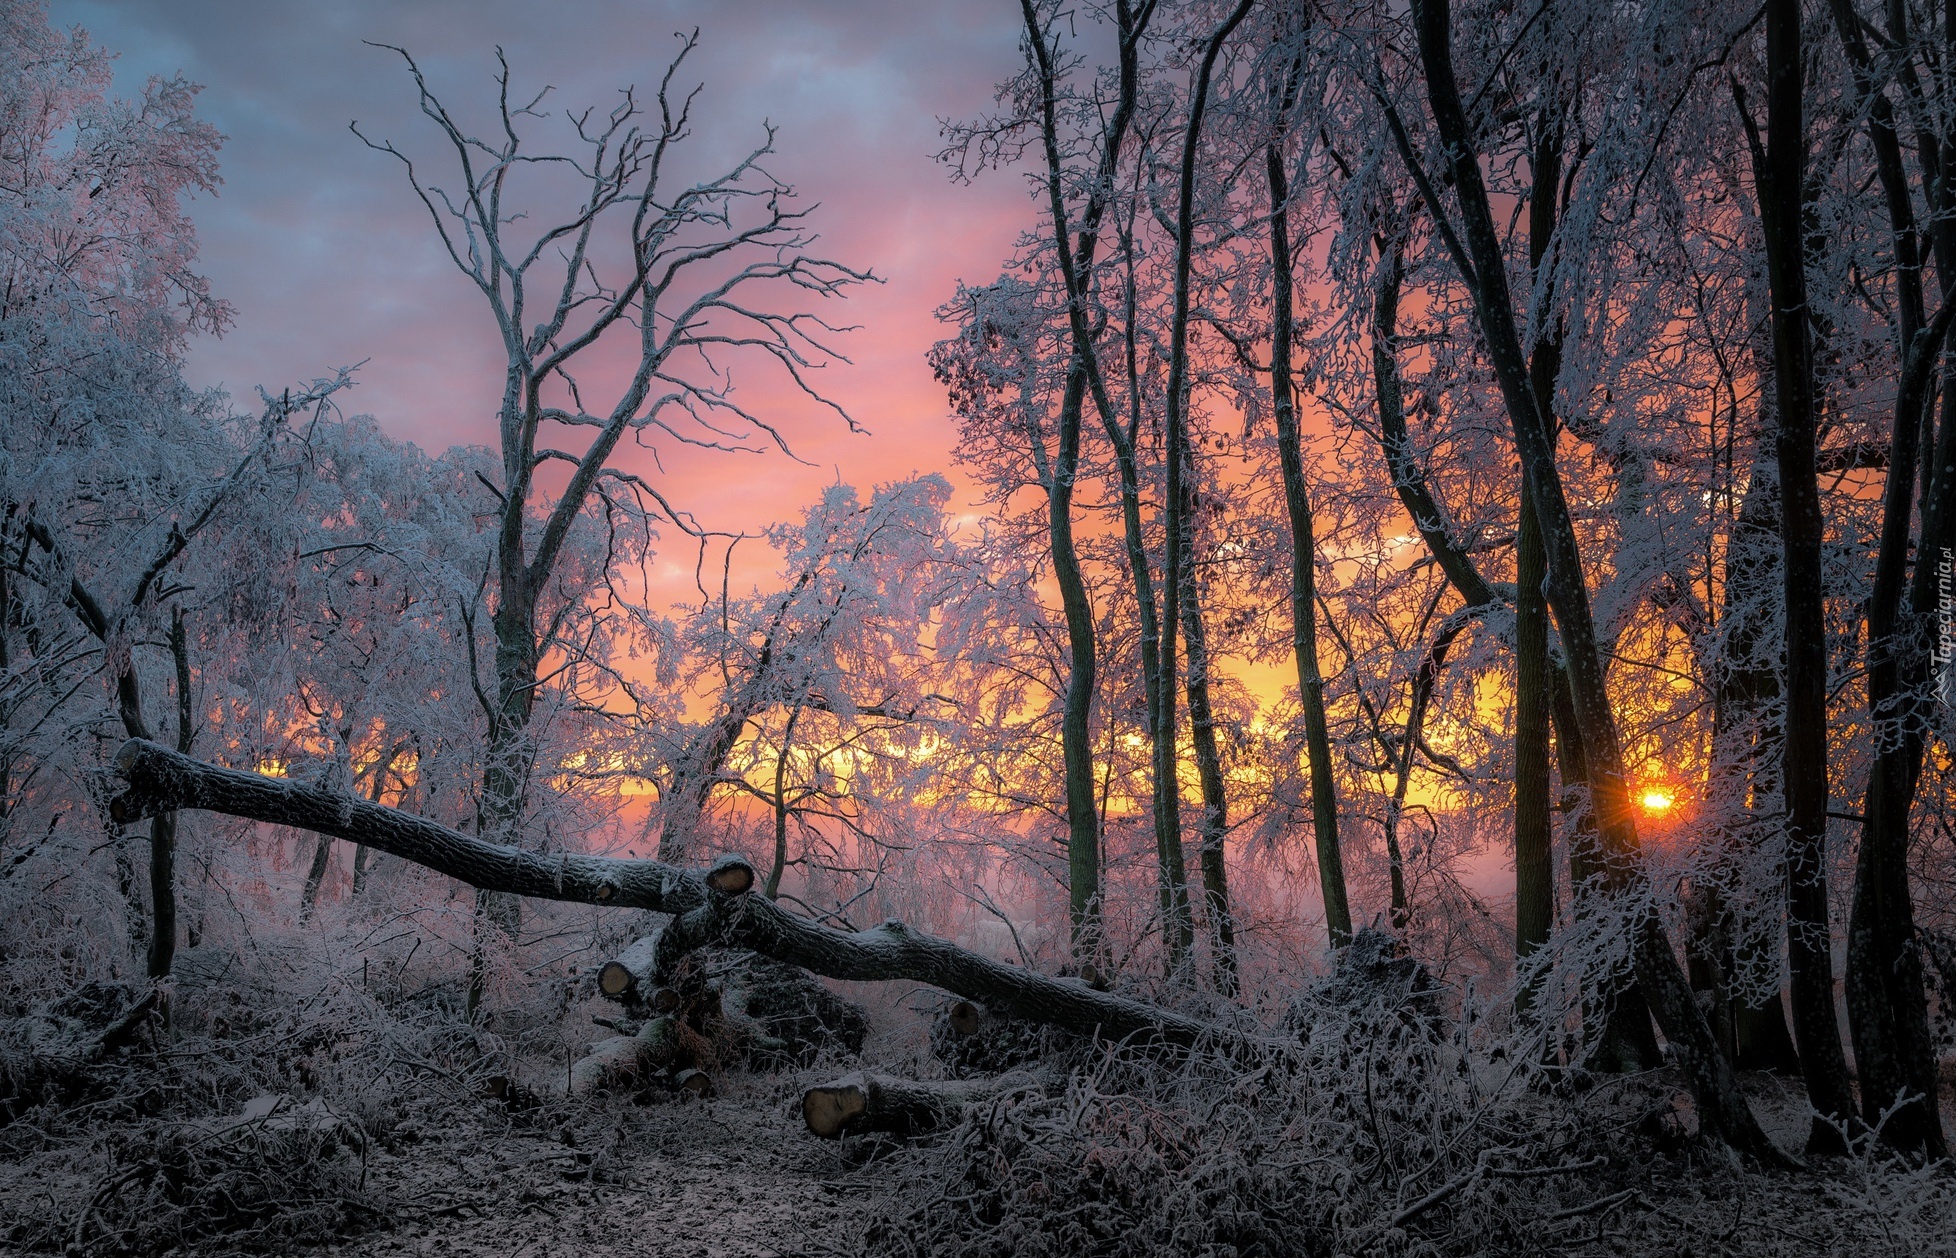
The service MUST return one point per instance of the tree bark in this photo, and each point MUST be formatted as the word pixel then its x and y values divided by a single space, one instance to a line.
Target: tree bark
pixel 1076 268
pixel 1303 542
pixel 1886 1002
pixel 1179 571
pixel 1164 784
pixel 1781 181
pixel 1534 859
pixel 623 1061
pixel 1075 256
pixel 631 977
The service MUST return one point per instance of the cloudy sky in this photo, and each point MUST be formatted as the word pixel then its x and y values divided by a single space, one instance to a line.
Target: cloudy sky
pixel 327 258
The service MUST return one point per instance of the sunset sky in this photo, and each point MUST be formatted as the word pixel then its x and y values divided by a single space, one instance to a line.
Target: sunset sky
pixel 319 245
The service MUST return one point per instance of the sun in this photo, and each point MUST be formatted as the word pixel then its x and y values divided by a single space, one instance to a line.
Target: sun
pixel 1657 801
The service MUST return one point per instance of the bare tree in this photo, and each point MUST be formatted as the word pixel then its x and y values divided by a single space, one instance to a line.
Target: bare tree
pixel 696 275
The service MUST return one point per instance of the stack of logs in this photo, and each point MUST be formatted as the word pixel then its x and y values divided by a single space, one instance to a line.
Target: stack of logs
pixel 689 1010
pixel 687 1013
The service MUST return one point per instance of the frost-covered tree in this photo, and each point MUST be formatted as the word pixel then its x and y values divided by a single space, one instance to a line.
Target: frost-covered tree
pixel 689 278
pixel 111 468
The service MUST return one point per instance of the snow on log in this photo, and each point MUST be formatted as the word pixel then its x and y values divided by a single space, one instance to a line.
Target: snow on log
pixel 161 780
pixel 730 875
pixel 629 975
pixel 863 1101
pixel 625 1061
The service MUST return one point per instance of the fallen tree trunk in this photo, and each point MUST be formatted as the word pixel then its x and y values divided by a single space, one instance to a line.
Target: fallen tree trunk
pixel 710 908
pixel 624 1061
pixel 862 1101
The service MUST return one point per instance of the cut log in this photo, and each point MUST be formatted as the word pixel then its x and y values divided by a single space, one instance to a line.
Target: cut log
pixel 965 1018
pixel 730 875
pixel 692 1082
pixel 162 780
pixel 628 976
pixel 862 1102
pixel 624 1061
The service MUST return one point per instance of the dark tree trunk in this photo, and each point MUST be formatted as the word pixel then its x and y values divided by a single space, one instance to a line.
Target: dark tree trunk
pixel 1179 571
pixel 1076 261
pixel 1534 859
pixel 1723 1111
pixel 1886 1002
pixel 1076 736
pixel 1213 828
pixel 1303 543
pixel 1803 770
pixel 1165 794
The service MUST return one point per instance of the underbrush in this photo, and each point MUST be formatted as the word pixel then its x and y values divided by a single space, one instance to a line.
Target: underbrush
pixel 266 1118
pixel 1386 1138
pixel 248 1119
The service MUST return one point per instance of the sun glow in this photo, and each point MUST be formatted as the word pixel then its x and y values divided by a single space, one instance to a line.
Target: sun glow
pixel 1657 801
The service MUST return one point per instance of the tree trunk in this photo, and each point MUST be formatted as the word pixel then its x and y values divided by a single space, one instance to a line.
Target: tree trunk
pixel 624 1061
pixel 1534 860
pixel 631 977
pixel 1303 544
pixel 1179 571
pixel 1076 268
pixel 1886 1003
pixel 1803 770
pixel 1213 828
pixel 1076 735
pixel 1534 856
pixel 705 915
pixel 1178 925
pixel 1724 1113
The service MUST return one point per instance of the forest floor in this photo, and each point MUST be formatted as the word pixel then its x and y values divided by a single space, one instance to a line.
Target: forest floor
pixel 154 1160
pixel 737 1176
pixel 732 1176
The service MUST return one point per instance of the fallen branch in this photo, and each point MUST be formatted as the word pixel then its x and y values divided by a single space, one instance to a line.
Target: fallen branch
pixel 714 907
